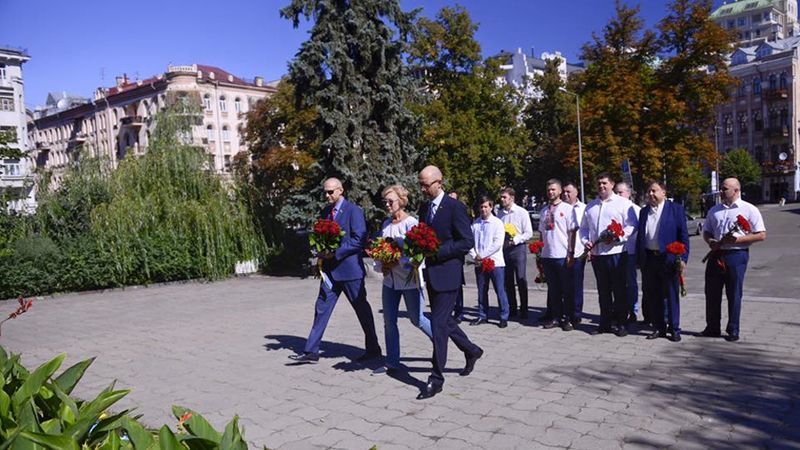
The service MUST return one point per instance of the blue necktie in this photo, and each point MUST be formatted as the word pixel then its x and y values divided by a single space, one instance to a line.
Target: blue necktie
pixel 431 212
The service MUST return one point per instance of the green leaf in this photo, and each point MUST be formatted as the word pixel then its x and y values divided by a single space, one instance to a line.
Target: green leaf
pixel 5 403
pixel 3 355
pixel 70 377
pixel 51 442
pixel 112 442
pixel 68 410
pixel 52 426
pixel 232 438
pixel 167 440
pixel 197 425
pixel 139 436
pixel 34 382
pixel 196 443
pixel 109 425
pixel 89 413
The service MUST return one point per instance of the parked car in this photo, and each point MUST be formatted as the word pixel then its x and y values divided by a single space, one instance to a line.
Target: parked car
pixel 694 224
pixel 534 218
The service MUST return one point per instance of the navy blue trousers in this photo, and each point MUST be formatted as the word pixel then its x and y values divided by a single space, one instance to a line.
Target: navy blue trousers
pixel 732 279
pixel 575 287
pixel 609 271
pixel 661 289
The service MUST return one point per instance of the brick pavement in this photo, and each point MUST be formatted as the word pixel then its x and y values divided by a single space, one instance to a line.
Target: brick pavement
pixel 221 348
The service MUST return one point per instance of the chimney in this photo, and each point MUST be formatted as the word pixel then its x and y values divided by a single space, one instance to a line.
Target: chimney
pixel 230 78
pixel 211 75
pixel 120 81
pixel 259 81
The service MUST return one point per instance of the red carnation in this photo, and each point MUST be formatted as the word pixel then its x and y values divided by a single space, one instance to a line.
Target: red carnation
pixel 535 247
pixel 487 265
pixel 678 249
pixel 743 224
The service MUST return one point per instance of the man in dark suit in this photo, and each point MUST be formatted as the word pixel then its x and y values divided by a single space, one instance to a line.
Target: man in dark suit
pixel 343 271
pixel 661 223
pixel 444 274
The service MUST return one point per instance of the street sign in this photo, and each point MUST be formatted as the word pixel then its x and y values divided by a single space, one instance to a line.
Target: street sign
pixel 626 173
pixel 714 184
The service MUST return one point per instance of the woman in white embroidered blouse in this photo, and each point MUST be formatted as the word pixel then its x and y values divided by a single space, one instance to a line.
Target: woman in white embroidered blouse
pixel 397 280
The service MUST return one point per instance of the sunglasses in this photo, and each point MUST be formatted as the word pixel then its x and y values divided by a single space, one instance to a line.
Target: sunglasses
pixel 330 191
pixel 426 185
pixel 388 202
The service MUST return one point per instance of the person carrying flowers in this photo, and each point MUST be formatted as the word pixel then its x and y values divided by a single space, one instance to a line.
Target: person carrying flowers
pixel 341 269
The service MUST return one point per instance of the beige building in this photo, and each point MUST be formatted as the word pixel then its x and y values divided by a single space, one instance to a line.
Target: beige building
pixel 762 114
pixel 757 21
pixel 15 173
pixel 119 120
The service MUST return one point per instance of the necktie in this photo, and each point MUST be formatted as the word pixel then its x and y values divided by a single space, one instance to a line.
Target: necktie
pixel 431 212
pixel 333 213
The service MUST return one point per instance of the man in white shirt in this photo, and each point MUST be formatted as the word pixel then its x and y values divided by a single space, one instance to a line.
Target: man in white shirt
pixel 727 263
pixel 557 219
pixel 575 265
pixel 607 250
pixel 632 286
pixel 489 234
pixel 515 252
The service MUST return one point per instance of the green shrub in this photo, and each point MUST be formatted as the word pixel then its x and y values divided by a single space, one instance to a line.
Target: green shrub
pixel 36 408
pixel 35 248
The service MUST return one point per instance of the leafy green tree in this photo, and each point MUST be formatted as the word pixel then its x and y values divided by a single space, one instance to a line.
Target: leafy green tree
pixel 9 137
pixel 686 93
pixel 738 163
pixel 471 124
pixel 616 89
pixel 351 73
pixel 550 120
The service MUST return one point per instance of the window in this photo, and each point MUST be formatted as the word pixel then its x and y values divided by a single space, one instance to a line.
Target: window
pixel 773 118
pixel 742 21
pixel 207 102
pixel 758 124
pixel 222 106
pixel 757 86
pixel 742 89
pixel 237 104
pixel 759 154
pixel 2 71
pixel 210 132
pixel 783 81
pixel 225 136
pixel 227 166
pixel 784 117
pixel 743 122
pixel 773 82
pixel 731 24
pixel 728 124
pixel 6 104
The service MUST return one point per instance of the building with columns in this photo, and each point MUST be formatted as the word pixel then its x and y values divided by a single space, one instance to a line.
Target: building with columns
pixel 118 121
pixel 16 180
pixel 761 115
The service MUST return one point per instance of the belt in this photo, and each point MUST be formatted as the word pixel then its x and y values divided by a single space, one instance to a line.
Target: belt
pixel 732 250
pixel 653 252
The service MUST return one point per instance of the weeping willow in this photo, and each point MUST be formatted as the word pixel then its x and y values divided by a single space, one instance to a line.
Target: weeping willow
pixel 170 216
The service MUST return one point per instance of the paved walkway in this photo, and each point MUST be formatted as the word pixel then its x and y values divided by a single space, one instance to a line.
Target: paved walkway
pixel 221 349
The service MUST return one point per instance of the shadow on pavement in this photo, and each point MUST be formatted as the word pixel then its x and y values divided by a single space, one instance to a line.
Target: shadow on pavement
pixel 327 349
pixel 735 395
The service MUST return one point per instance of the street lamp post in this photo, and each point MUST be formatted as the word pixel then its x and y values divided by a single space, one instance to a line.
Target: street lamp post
pixel 580 149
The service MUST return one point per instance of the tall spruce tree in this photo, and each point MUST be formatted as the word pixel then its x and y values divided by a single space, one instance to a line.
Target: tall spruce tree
pixel 351 71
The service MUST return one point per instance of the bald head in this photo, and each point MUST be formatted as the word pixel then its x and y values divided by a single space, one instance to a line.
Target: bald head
pixel 730 190
pixel 430 181
pixel 333 189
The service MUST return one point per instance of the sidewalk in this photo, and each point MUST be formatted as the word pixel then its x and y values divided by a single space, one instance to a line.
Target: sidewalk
pixel 221 349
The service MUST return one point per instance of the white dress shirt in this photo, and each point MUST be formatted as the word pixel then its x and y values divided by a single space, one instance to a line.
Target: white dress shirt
pixel 630 245
pixel 399 276
pixel 519 217
pixel 556 238
pixel 721 218
pixel 597 217
pixel 489 236
pixel 652 225
pixel 578 209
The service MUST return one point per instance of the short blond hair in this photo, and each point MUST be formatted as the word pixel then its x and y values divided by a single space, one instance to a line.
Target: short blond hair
pixel 402 193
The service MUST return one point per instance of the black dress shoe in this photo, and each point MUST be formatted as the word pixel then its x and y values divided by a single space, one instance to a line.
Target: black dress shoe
pixel 632 317
pixel 308 358
pixel 732 337
pixel 621 331
pixel 429 391
pixel 503 323
pixel 545 318
pixel 600 330
pixel 550 324
pixel 675 336
pixel 567 326
pixel 471 363
pixel 458 319
pixel 477 321
pixel 372 354
pixel 710 333
pixel 655 334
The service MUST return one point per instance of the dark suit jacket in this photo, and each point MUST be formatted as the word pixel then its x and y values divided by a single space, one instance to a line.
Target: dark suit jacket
pixel 347 263
pixel 451 223
pixel 671 227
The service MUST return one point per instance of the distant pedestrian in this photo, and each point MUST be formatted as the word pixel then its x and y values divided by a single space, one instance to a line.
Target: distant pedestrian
pixel 727 263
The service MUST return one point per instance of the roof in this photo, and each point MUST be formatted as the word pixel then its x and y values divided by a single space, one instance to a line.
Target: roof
pixel 202 71
pixel 741 6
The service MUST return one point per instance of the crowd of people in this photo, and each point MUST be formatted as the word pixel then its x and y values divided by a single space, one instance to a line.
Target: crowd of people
pixel 613 234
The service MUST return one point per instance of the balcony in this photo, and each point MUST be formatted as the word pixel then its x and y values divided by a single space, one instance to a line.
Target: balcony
pixel 132 121
pixel 778 167
pixel 77 139
pixel 777 94
pixel 779 131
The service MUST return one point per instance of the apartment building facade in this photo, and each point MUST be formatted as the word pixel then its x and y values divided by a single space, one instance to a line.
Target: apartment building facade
pixel 757 21
pixel 16 180
pixel 118 122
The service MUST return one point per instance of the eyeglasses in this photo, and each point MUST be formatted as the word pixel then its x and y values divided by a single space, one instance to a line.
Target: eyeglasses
pixel 426 185
pixel 330 191
pixel 388 202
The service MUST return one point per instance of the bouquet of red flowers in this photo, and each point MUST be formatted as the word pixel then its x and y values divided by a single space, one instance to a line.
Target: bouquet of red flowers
pixel 613 232
pixel 420 243
pixel 678 249
pixel 326 236
pixel 740 226
pixel 536 247
pixel 385 251
pixel 487 265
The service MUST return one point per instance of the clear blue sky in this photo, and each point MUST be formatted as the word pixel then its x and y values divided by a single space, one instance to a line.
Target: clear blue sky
pixel 77 46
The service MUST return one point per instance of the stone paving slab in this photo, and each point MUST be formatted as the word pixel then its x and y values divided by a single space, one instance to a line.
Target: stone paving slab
pixel 221 349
